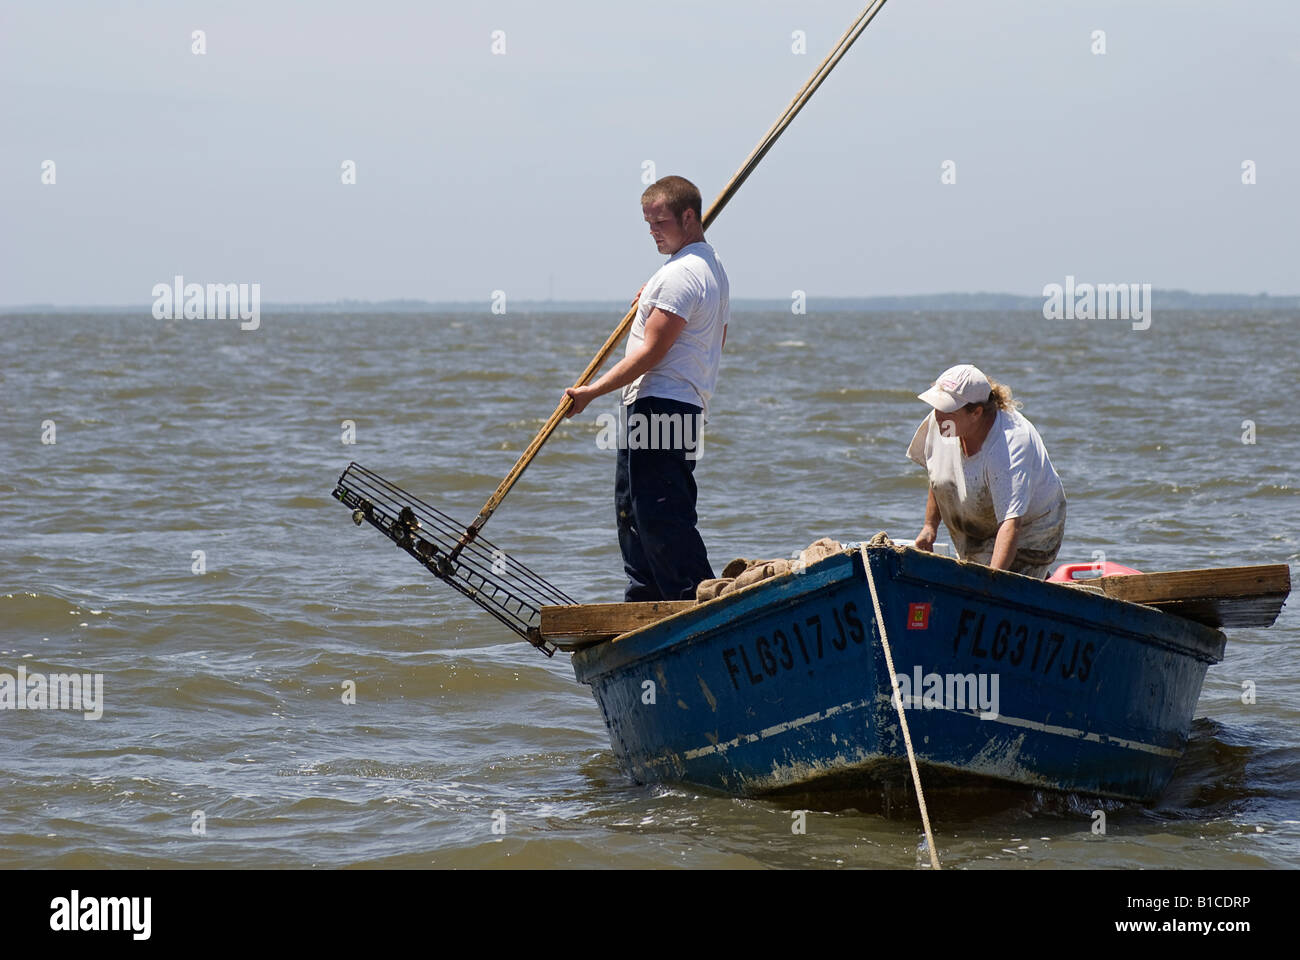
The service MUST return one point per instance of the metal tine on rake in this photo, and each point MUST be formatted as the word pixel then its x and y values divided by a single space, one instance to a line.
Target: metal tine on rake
pixel 499 584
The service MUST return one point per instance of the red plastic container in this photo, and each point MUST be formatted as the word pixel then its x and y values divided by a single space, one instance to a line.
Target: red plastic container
pixel 1070 571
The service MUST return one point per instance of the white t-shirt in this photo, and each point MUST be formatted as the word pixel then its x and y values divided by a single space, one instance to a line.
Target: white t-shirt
pixel 693 285
pixel 1010 476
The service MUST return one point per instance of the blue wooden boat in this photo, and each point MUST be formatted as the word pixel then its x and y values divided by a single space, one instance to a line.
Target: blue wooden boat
pixel 784 685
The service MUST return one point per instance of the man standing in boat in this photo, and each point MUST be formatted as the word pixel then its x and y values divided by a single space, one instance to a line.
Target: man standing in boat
pixel 991 481
pixel 668 375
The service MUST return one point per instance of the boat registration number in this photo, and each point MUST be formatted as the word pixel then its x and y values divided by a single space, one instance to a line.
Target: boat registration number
pixel 1038 651
pixel 799 643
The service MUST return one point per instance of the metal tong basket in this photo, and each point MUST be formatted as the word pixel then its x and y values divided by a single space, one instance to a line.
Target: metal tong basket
pixel 502 586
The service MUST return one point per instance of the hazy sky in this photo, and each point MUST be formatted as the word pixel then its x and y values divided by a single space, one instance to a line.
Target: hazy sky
pixel 522 172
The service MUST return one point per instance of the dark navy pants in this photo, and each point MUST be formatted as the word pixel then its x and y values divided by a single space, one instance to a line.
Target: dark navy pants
pixel 654 503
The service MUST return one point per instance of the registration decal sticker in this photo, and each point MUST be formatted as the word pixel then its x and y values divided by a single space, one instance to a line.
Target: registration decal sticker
pixel 918 616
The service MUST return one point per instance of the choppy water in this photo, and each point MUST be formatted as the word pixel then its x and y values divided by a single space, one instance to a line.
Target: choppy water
pixel 223 691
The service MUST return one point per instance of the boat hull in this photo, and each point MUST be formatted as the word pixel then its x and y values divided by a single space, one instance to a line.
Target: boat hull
pixel 1019 680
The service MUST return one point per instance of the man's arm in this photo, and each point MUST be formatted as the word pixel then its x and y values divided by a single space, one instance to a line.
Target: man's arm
pixel 1004 547
pixel 661 331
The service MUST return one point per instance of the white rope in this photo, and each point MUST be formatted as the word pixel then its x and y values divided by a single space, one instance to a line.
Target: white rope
pixel 898 705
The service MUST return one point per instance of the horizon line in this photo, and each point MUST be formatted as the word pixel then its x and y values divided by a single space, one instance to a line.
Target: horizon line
pixel 1006 299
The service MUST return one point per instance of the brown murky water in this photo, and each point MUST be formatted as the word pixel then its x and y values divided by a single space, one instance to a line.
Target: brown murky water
pixel 223 690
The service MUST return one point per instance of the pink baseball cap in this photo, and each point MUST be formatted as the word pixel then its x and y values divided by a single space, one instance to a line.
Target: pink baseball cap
pixel 956 387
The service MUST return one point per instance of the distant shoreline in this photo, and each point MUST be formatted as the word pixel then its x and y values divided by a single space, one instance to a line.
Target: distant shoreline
pixel 1163 299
